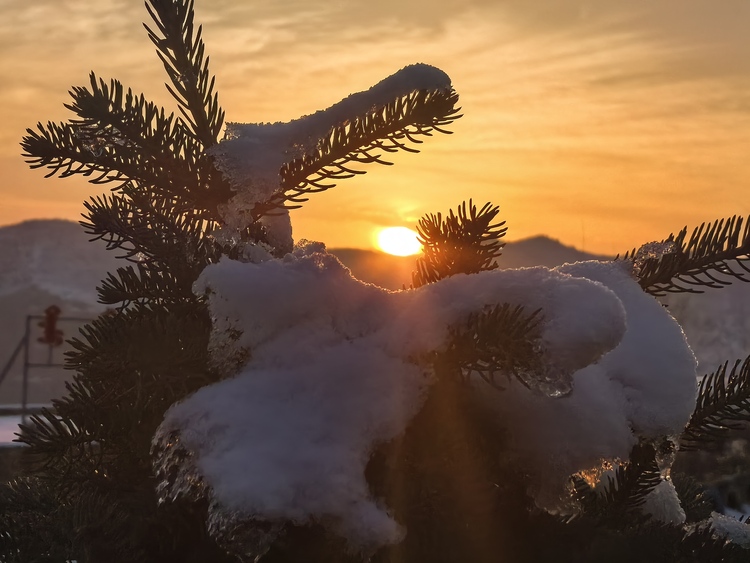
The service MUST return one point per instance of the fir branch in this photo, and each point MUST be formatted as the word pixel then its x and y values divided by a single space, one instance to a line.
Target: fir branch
pixel 32 529
pixel 586 497
pixel 98 502
pixel 143 285
pixel 703 544
pixel 625 491
pixel 693 497
pixel 57 443
pixel 364 139
pixel 634 480
pixel 133 121
pixel 464 243
pixel 500 340
pixel 723 405
pixel 140 360
pixel 121 137
pixel 165 359
pixel 59 148
pixel 715 255
pixel 151 230
pixel 118 136
pixel 161 340
pixel 181 50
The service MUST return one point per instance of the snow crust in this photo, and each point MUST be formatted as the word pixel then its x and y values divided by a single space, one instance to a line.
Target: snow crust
pixel 331 366
pixel 730 528
pixel 251 154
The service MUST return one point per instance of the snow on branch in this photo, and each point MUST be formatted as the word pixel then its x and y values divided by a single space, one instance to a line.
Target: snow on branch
pixel 277 165
pixel 715 254
pixel 626 486
pixel 500 340
pixel 328 367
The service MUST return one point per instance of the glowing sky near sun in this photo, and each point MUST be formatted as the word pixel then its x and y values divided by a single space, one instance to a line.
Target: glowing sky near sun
pixel 399 241
pixel 601 123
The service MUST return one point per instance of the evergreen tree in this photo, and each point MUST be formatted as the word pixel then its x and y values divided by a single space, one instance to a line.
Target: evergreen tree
pixel 92 492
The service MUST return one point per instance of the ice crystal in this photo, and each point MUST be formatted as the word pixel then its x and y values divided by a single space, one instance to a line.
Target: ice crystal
pixel 663 504
pixel 666 452
pixel 98 140
pixel 651 251
pixel 176 474
pixel 546 380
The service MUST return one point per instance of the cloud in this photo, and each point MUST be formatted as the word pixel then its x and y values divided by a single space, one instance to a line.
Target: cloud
pixel 612 101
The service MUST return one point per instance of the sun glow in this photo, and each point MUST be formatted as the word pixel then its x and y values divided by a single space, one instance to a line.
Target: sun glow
pixel 399 241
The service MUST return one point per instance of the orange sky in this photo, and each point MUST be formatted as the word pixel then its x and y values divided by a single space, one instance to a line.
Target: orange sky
pixel 601 123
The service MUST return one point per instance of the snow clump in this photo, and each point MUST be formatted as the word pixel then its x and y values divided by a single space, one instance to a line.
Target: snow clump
pixel 332 367
pixel 645 388
pixel 663 504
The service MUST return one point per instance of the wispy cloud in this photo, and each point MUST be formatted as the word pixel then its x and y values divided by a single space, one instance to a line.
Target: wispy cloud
pixel 602 111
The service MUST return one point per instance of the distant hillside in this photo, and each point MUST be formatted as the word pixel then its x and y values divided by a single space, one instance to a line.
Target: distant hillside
pixel 385 270
pixel 56 257
pixel 542 251
pixel 392 272
pixel 52 256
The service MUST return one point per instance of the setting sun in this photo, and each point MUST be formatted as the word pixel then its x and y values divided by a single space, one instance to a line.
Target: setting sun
pixel 399 241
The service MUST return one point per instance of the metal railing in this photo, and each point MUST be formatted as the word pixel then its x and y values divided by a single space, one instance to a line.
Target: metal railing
pixel 23 348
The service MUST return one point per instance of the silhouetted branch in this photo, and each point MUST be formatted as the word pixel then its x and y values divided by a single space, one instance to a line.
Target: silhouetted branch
pixel 723 405
pixel 713 256
pixel 464 243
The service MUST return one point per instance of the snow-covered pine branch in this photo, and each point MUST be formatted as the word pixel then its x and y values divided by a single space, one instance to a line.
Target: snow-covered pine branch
pixel 715 255
pixel 622 489
pixel 332 367
pixel 248 387
pixel 275 166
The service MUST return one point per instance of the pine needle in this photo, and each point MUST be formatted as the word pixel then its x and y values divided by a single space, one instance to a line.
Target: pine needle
pixel 361 140
pixel 466 242
pixel 723 406
pixel 500 340
pixel 714 256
